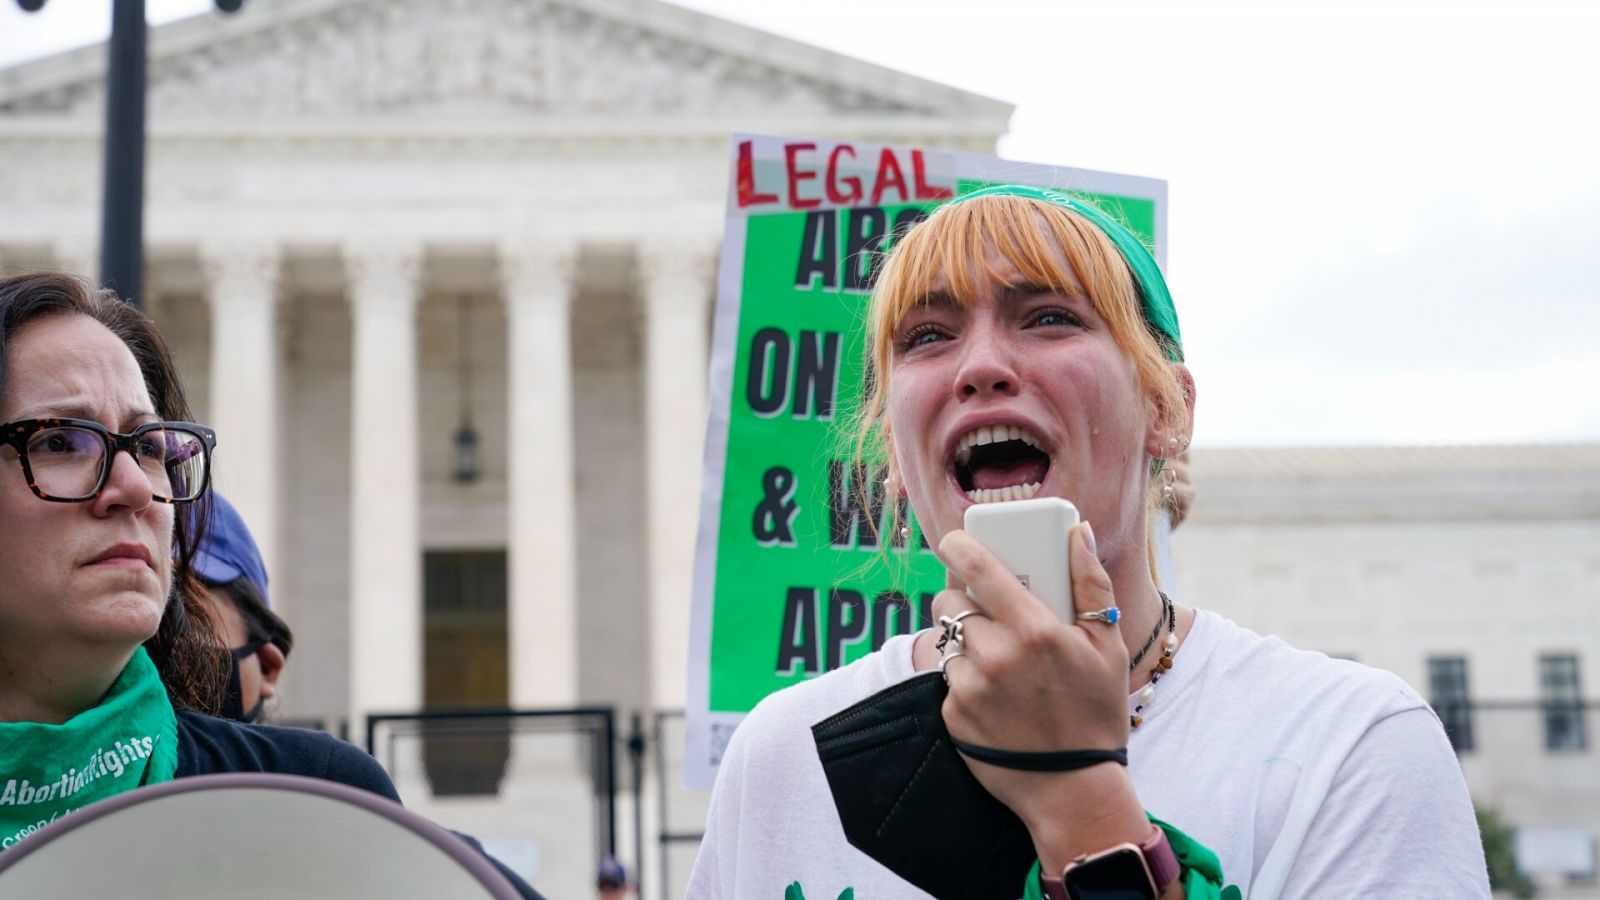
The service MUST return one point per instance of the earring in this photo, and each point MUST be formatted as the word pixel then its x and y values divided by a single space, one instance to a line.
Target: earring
pixel 905 532
pixel 1172 443
pixel 1169 479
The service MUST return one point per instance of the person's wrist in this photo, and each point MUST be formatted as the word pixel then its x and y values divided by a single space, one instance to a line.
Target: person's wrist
pixel 1147 868
pixel 1069 814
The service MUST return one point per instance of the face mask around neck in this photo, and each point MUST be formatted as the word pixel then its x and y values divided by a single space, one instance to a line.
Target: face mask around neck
pixel 233 698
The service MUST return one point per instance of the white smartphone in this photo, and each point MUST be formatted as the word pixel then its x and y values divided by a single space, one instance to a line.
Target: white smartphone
pixel 1030 537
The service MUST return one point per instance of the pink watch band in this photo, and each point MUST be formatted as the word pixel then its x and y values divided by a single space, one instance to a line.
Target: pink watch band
pixel 1158 857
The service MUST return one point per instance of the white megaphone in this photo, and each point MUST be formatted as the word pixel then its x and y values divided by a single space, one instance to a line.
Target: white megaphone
pixel 248 837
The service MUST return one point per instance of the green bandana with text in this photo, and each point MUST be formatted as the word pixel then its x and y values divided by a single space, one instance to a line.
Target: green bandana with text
pixel 129 740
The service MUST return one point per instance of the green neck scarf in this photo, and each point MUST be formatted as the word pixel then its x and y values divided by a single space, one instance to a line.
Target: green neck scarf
pixel 129 740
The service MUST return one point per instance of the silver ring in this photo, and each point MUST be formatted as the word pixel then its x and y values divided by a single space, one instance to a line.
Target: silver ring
pixel 1109 615
pixel 945 660
pixel 952 630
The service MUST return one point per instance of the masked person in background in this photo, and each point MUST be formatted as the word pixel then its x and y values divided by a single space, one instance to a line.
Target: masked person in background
pixel 109 663
pixel 610 879
pixel 1022 343
pixel 258 641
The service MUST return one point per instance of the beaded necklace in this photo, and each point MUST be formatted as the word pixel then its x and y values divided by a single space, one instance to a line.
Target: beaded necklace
pixel 1147 694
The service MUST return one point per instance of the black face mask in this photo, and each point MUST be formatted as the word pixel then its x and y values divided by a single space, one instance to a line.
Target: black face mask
pixel 233 697
pixel 907 799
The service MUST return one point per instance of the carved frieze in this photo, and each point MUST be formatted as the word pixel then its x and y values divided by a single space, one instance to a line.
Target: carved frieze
pixel 459 57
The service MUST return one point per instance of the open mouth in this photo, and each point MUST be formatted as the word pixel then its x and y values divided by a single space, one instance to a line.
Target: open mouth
pixel 999 462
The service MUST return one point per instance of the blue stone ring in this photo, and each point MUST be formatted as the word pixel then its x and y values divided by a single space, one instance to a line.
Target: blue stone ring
pixel 1109 615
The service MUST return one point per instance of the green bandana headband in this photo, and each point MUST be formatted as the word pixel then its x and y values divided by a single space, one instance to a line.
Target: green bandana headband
pixel 129 740
pixel 1154 298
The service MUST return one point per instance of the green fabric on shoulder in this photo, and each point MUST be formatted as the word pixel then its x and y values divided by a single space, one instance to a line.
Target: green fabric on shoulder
pixel 129 740
pixel 1199 869
pixel 793 892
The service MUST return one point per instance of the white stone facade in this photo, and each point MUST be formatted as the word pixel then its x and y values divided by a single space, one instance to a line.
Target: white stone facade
pixel 1391 556
pixel 328 179
pixel 330 183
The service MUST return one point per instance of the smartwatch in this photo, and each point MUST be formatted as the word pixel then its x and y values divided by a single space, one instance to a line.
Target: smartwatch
pixel 1124 872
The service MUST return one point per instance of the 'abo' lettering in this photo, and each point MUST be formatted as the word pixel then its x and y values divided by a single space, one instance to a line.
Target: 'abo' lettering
pixel 866 237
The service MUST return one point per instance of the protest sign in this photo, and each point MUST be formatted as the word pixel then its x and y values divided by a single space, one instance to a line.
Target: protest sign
pixel 797 569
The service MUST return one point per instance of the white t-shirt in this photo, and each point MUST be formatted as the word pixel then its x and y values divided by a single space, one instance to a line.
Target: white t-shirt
pixel 1309 777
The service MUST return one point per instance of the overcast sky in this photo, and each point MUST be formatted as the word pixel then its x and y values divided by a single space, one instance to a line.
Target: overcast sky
pixel 1385 216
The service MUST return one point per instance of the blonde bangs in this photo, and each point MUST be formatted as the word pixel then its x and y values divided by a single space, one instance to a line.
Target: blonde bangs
pixel 966 246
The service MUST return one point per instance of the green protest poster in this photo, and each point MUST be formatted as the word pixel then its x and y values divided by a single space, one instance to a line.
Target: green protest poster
pixel 798 570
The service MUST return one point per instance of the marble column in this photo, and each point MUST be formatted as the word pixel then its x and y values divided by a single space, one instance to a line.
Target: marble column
pixel 676 276
pixel 385 482
pixel 242 291
pixel 538 280
pixel 545 776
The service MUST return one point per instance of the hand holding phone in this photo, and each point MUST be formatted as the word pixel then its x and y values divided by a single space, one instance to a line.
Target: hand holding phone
pixel 1030 538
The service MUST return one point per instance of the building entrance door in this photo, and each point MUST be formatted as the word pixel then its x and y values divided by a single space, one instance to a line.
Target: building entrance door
pixel 465 667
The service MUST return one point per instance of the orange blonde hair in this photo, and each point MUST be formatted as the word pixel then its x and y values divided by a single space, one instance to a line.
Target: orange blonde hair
pixel 963 243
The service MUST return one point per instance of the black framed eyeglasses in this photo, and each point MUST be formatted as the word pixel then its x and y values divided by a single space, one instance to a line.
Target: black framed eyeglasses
pixel 69 460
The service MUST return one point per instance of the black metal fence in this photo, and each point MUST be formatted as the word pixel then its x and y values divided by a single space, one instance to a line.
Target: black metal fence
pixel 1535 764
pixel 468 753
pixel 680 812
pixel 540 770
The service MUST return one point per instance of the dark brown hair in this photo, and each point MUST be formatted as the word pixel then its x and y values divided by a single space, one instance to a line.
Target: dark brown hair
pixel 185 644
pixel 260 623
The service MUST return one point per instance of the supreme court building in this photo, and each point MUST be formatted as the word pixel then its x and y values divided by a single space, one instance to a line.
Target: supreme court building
pixel 370 223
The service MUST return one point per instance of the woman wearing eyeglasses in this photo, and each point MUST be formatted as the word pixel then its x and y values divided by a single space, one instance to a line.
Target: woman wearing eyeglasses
pixel 108 659
pixel 101 637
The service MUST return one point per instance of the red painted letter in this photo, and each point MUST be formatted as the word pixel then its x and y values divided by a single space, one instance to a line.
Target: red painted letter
pixel 852 182
pixel 796 176
pixel 746 179
pixel 919 173
pixel 889 166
